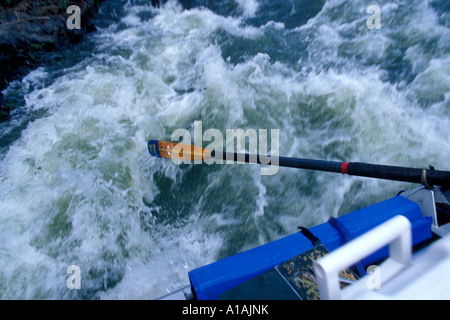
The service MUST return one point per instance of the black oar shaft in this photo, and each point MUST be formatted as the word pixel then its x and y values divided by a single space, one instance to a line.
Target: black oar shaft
pixel 424 176
pixel 321 165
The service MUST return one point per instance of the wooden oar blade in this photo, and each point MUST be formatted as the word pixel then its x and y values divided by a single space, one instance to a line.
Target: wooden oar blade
pixel 177 151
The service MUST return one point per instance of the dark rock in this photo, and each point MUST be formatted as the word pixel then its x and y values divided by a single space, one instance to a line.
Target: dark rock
pixel 29 29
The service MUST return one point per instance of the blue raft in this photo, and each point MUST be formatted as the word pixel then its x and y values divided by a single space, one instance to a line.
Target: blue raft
pixel 210 281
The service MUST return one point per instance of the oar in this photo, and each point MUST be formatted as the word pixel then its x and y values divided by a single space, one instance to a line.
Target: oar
pixel 427 177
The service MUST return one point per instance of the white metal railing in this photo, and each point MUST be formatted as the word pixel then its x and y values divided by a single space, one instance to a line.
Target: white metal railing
pixel 396 232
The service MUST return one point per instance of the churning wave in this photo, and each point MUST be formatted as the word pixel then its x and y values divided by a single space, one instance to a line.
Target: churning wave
pixel 77 186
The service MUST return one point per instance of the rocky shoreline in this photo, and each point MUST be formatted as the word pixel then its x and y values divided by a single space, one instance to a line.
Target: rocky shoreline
pixel 29 29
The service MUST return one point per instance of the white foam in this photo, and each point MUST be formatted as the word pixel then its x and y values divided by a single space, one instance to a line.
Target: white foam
pixel 84 164
pixel 250 7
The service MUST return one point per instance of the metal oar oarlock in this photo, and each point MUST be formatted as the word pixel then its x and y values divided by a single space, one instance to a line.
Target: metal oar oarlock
pixel 427 177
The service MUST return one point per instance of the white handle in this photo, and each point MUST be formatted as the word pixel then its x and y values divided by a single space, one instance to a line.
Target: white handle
pixel 396 232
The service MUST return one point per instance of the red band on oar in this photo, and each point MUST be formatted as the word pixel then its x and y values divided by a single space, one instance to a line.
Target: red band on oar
pixel 344 167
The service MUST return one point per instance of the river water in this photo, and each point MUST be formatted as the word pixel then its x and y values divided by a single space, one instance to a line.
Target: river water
pixel 78 186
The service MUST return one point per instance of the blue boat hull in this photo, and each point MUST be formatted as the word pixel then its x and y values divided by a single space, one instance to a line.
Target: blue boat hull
pixel 210 281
